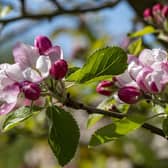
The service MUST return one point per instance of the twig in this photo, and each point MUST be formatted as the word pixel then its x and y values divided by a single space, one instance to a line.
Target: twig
pixel 23 7
pixel 154 130
pixel 58 5
pixel 91 110
pixel 60 12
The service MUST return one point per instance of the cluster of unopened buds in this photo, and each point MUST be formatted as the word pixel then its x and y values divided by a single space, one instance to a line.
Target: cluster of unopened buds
pixel 21 82
pixel 157 15
pixel 146 74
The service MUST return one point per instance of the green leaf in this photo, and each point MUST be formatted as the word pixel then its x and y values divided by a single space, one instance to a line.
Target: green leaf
pixel 135 47
pixel 15 117
pixel 72 70
pixel 63 134
pixel 165 126
pixel 106 61
pixel 93 119
pixel 114 131
pixel 144 31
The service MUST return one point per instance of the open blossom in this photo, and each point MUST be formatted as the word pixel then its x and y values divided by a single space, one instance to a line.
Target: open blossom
pixel 147 73
pixel 32 65
pixel 36 62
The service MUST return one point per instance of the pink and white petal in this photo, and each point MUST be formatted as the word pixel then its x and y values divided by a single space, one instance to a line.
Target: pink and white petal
pixel 159 55
pixel 4 80
pixel 9 74
pixel 146 57
pixel 25 55
pixel 123 79
pixel 14 72
pixel 132 58
pixel 10 94
pixel 134 69
pixel 54 53
pixel 165 66
pixel 31 75
pixel 141 78
pixel 43 65
pixel 153 80
pixel 6 108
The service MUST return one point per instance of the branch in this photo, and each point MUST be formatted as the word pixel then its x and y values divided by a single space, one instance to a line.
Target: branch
pixel 60 12
pixel 91 110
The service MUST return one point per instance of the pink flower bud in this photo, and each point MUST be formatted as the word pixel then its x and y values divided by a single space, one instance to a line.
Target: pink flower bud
pixel 129 94
pixel 59 69
pixel 43 43
pixel 30 90
pixel 157 8
pixel 104 88
pixel 147 13
pixel 165 11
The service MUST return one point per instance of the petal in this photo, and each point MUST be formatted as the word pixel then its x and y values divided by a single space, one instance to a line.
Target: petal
pixel 132 58
pixel 54 53
pixel 43 65
pixel 9 74
pixel 25 55
pixel 134 69
pixel 153 81
pixel 141 78
pixel 10 94
pixel 14 72
pixel 123 79
pixel 6 108
pixel 4 80
pixel 160 55
pixel 31 75
pixel 146 57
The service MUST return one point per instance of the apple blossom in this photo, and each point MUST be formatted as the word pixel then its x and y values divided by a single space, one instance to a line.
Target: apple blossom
pixel 35 66
pixel 29 70
pixel 45 47
pixel 147 73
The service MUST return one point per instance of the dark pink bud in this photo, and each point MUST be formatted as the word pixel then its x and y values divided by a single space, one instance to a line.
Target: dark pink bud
pixel 43 43
pixel 104 88
pixel 30 90
pixel 147 13
pixel 129 94
pixel 157 8
pixel 59 69
pixel 165 11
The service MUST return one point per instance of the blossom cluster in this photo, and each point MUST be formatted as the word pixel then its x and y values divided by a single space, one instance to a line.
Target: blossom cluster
pixel 147 74
pixel 157 15
pixel 20 83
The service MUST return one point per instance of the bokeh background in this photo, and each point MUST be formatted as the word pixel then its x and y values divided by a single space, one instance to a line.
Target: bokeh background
pixel 26 146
